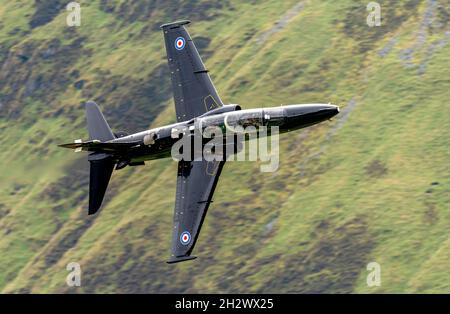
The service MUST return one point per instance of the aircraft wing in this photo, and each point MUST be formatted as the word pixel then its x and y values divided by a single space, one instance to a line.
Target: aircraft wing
pixel 196 182
pixel 193 90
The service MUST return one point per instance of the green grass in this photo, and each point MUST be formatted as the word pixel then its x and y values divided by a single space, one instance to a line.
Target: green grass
pixel 346 193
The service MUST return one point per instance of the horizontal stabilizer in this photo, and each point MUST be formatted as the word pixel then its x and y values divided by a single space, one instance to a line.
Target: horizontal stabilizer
pixel 100 173
pixel 97 146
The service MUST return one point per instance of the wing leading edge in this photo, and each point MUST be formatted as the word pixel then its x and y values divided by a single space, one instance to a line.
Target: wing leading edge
pixel 196 183
pixel 193 90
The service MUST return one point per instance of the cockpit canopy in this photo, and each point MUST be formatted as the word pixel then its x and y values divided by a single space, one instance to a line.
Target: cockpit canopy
pixel 244 119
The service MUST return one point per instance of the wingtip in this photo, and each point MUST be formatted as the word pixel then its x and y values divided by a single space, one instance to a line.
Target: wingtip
pixel 175 24
pixel 177 259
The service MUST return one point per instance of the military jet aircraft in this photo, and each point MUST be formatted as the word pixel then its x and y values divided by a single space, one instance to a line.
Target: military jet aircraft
pixel 196 100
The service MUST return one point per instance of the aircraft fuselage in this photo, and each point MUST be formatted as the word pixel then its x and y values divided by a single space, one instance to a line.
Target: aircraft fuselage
pixel 156 143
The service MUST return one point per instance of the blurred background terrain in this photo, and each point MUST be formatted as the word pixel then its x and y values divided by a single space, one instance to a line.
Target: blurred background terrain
pixel 371 185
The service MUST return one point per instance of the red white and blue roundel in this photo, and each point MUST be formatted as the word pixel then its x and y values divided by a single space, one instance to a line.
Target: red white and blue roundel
pixel 185 238
pixel 180 42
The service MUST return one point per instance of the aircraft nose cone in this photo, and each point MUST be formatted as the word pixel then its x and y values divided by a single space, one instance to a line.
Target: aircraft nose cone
pixel 326 111
pixel 332 110
pixel 316 110
pixel 299 116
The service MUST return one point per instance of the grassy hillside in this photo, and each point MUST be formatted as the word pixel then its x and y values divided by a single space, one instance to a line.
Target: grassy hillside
pixel 372 185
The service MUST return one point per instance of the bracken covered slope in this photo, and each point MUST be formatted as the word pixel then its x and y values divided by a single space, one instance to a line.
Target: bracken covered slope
pixel 371 185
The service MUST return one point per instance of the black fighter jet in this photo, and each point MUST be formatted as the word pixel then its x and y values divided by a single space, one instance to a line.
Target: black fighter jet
pixel 197 106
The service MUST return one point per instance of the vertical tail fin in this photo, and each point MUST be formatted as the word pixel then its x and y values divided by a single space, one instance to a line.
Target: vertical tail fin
pixel 96 123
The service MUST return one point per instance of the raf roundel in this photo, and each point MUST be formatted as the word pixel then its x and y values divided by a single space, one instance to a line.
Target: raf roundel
pixel 180 43
pixel 185 238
